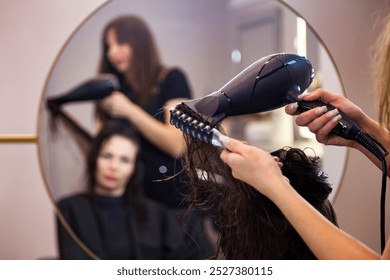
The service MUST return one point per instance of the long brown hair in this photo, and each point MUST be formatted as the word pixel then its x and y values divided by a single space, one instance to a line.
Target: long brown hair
pixel 381 73
pixel 250 225
pixel 145 66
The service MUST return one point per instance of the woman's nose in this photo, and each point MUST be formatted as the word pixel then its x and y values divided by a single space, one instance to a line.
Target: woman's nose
pixel 113 50
pixel 114 164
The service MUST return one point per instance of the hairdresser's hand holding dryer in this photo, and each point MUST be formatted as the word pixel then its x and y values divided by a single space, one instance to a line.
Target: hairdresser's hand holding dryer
pixel 321 122
pixel 257 168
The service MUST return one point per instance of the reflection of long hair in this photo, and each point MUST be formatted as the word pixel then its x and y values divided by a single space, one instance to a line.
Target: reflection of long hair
pixel 250 225
pixel 381 72
pixel 145 66
pixel 133 193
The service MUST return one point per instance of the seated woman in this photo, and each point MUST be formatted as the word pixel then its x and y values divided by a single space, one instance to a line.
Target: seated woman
pixel 113 218
pixel 250 225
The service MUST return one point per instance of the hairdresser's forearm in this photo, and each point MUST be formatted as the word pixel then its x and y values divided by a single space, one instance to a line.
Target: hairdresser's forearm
pixel 324 239
pixel 379 133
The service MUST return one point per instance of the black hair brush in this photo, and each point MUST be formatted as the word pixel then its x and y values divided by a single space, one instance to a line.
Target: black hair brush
pixel 192 124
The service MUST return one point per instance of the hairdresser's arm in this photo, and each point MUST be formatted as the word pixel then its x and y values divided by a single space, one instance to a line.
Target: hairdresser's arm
pixel 257 168
pixel 163 135
pixel 321 122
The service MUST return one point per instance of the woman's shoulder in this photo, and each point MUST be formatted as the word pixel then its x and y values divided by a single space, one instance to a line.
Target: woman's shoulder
pixel 72 200
pixel 174 73
pixel 176 83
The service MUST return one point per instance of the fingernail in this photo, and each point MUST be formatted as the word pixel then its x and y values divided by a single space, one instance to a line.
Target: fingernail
pixel 302 95
pixel 224 139
pixel 293 106
pixel 337 118
pixel 333 113
pixel 321 110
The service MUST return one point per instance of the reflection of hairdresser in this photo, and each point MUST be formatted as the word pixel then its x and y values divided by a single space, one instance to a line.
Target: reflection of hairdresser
pixel 148 90
pixel 113 218
pixel 258 169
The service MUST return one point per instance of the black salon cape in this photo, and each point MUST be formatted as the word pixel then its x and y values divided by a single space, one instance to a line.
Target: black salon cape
pixel 164 237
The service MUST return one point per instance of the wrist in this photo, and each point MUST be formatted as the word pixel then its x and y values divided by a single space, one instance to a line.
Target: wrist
pixel 131 109
pixel 279 191
pixel 370 126
pixel 376 131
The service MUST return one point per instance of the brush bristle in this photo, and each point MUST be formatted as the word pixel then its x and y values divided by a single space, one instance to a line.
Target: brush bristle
pixel 191 123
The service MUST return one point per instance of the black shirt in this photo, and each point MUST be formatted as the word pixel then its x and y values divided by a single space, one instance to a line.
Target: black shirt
pixel 159 165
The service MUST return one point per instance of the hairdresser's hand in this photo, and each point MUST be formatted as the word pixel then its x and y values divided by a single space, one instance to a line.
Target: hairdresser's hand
pixel 117 105
pixel 252 165
pixel 321 122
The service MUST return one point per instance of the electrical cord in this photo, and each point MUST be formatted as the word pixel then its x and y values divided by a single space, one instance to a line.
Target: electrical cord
pixel 383 204
pixel 380 152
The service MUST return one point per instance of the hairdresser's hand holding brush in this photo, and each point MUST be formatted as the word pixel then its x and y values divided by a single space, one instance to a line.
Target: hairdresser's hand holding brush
pixel 253 165
pixel 321 121
pixel 257 168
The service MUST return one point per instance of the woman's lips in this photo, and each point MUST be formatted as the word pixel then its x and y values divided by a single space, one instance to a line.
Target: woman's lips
pixel 110 178
pixel 119 63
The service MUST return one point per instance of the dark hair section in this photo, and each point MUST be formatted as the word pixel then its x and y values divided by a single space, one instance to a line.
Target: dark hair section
pixel 56 114
pixel 250 225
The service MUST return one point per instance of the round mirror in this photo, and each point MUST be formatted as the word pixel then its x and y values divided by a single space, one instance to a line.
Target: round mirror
pixel 211 41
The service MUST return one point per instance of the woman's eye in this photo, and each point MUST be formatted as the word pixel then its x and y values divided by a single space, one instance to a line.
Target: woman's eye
pixel 105 155
pixel 126 160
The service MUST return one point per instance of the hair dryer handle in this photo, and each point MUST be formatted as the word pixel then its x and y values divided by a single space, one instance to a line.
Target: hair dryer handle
pixel 346 127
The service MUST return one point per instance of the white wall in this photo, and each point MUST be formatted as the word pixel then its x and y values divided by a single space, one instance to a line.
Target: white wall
pixel 32 34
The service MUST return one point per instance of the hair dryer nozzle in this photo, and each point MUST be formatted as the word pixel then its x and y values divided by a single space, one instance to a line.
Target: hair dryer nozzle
pixel 92 89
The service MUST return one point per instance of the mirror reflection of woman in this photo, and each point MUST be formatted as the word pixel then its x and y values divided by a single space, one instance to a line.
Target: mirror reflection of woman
pixel 148 91
pixel 113 218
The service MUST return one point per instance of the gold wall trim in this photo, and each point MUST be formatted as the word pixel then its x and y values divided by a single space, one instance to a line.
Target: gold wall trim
pixel 18 138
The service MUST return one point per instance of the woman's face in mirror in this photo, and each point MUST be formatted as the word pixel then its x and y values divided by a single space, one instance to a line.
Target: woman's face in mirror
pixel 119 54
pixel 115 165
